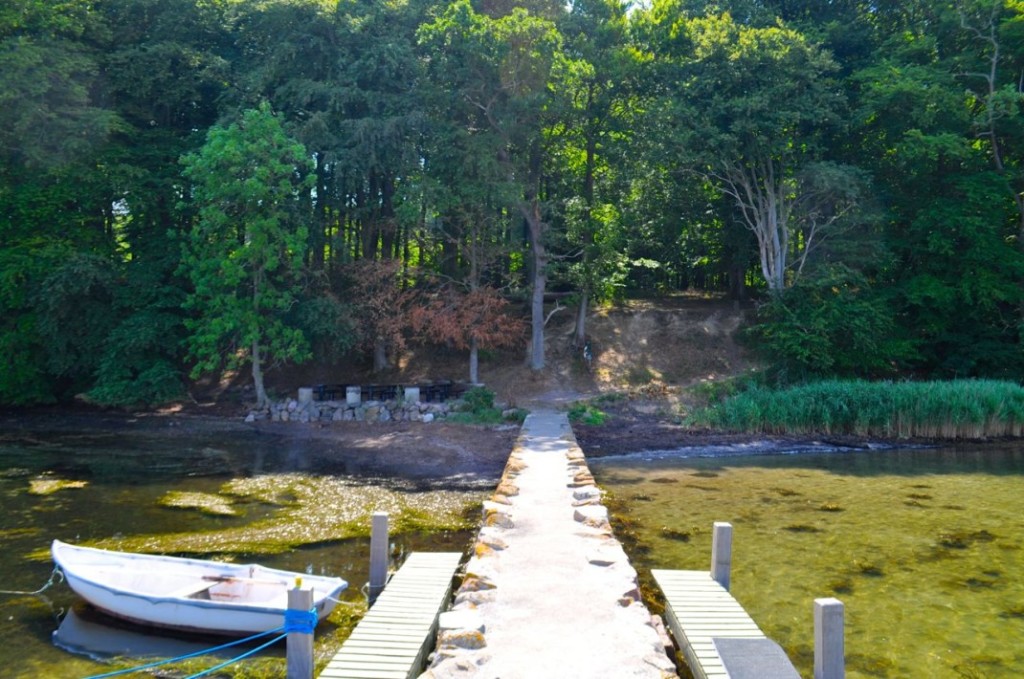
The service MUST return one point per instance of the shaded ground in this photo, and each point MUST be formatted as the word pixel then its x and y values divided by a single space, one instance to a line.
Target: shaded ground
pixel 435 452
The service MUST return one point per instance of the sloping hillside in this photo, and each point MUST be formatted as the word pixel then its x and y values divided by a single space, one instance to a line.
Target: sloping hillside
pixel 648 348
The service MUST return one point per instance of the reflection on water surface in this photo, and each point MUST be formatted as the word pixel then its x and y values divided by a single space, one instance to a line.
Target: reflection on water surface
pixel 924 547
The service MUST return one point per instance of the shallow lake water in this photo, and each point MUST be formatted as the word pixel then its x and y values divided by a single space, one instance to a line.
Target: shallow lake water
pixel 924 547
pixel 239 497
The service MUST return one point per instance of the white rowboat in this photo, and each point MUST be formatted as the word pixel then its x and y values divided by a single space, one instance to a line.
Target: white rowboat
pixel 188 594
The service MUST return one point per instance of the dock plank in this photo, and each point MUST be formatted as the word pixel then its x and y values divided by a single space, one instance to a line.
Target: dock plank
pixel 394 637
pixel 699 610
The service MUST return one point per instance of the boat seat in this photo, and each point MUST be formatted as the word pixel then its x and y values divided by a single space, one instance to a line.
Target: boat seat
pixel 192 590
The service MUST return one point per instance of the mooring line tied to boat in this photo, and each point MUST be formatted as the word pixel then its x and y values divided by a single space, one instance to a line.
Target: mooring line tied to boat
pixel 56 577
pixel 295 621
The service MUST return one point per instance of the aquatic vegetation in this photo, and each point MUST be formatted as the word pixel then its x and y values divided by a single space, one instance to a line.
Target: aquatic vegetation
pixel 1013 613
pixel 207 503
pixel 868 569
pixel 48 485
pixel 673 534
pixel 313 510
pixel 802 528
pixel 963 539
pixel 841 586
pixel 956 409
pixel 911 611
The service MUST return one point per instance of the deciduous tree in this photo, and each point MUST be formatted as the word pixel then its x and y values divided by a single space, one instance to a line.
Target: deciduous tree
pixel 245 251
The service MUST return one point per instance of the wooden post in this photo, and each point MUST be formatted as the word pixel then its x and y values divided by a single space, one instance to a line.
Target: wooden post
pixel 378 555
pixel 721 553
pixel 829 652
pixel 299 645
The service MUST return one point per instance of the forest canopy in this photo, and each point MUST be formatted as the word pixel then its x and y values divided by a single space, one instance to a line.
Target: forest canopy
pixel 191 184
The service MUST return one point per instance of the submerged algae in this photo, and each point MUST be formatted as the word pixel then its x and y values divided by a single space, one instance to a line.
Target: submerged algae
pixel 308 510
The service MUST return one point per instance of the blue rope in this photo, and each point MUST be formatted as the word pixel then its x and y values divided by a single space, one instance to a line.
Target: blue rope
pixel 236 659
pixel 303 622
pixel 131 670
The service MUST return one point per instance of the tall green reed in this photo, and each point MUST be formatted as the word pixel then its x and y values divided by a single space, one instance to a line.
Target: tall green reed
pixel 957 409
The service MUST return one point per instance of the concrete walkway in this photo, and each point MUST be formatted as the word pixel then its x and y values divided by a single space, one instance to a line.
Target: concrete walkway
pixel 549 593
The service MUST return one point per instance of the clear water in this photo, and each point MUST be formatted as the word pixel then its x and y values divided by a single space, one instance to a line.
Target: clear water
pixel 924 547
pixel 127 472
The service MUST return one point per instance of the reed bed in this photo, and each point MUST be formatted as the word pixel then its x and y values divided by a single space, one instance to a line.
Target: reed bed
pixel 957 409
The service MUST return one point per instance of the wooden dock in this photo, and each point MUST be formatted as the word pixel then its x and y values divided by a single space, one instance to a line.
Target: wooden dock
pixel 395 636
pixel 715 634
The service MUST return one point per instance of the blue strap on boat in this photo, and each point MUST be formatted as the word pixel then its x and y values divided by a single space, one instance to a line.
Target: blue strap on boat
pixel 167 661
pixel 303 622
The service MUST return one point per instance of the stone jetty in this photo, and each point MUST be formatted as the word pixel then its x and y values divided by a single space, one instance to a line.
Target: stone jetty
pixel 548 592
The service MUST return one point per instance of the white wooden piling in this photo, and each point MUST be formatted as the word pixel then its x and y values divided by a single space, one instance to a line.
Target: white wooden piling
pixel 829 651
pixel 353 395
pixel 299 645
pixel 378 555
pixel 412 395
pixel 721 553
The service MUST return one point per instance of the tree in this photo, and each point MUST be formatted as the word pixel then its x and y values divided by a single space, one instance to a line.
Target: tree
pixel 473 320
pixel 597 87
pixel 755 102
pixel 381 307
pixel 245 250
pixel 500 72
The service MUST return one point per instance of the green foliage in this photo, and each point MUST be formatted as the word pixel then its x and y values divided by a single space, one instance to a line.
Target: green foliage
pixel 138 365
pixel 968 409
pixel 75 307
pixel 329 324
pixel 478 400
pixel 585 413
pixel 247 245
pixel 477 407
pixel 624 139
pixel 832 323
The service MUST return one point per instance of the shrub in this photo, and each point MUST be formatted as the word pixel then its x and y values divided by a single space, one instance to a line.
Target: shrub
pixel 584 413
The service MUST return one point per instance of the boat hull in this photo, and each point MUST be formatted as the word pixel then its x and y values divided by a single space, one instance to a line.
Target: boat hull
pixel 188 594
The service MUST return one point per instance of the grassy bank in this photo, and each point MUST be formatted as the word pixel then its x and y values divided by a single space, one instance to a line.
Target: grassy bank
pixel 958 409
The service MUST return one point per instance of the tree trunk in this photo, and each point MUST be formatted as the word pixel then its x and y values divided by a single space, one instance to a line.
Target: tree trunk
pixel 540 280
pixel 474 362
pixel 257 377
pixel 380 356
pixel 581 320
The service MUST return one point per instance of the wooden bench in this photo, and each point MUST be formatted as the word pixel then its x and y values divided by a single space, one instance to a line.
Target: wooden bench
pixel 395 636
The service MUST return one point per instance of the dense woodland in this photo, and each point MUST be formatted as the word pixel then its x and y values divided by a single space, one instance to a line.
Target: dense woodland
pixel 187 185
